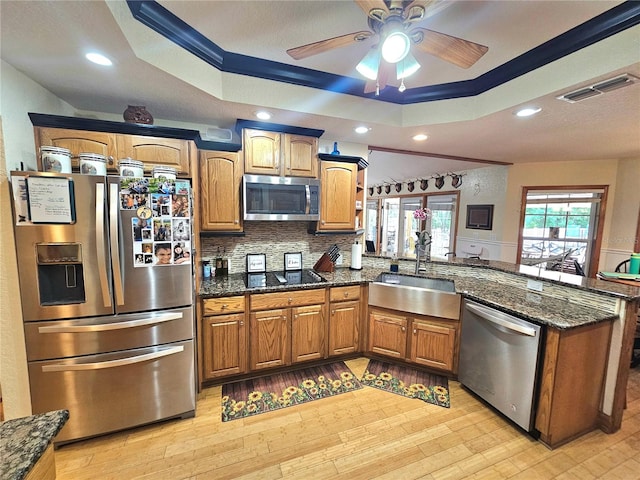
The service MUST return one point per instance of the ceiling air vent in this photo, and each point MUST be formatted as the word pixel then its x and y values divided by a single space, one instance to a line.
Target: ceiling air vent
pixel 598 88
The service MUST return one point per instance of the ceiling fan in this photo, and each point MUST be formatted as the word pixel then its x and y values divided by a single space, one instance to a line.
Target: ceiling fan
pixel 393 22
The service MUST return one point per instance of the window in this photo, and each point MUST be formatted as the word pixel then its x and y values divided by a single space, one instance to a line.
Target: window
pixel 559 228
pixel 396 233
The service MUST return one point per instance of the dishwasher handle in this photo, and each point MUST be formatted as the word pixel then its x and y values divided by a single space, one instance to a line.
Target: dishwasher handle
pixel 495 318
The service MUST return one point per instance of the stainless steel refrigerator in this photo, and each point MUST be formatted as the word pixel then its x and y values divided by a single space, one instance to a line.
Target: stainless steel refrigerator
pixel 106 280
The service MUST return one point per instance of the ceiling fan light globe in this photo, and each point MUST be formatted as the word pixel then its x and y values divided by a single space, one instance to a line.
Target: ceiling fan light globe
pixel 407 67
pixel 368 66
pixel 395 47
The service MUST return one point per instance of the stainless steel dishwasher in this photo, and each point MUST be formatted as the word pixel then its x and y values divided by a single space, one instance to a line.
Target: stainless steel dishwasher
pixel 499 360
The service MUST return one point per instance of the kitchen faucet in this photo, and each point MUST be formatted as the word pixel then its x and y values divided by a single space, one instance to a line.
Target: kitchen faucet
pixel 423 250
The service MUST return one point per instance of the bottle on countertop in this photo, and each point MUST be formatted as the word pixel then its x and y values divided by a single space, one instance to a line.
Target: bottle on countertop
pixel 219 271
pixel 206 268
pixel 225 262
pixel 394 267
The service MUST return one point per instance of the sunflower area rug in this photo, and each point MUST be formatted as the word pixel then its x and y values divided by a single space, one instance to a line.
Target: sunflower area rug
pixel 259 395
pixel 407 382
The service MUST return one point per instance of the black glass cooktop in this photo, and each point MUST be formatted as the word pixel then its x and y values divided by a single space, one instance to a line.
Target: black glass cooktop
pixel 275 279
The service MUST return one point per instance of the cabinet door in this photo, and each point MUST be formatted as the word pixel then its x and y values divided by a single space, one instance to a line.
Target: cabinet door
pixel 261 152
pixel 388 334
pixel 225 346
pixel 344 320
pixel 269 339
pixel 307 333
pixel 78 141
pixel 433 345
pixel 300 156
pixel 154 151
pixel 220 183
pixel 337 196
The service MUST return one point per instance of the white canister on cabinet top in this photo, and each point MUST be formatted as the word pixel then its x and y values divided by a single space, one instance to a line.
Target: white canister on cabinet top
pixel 164 172
pixel 55 159
pixel 131 168
pixel 93 164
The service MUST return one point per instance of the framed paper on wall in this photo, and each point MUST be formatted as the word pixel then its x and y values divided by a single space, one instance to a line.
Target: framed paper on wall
pixel 293 261
pixel 480 217
pixel 256 262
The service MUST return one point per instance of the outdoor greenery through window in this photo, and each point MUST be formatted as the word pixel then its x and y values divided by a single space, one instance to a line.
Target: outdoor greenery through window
pixel 559 228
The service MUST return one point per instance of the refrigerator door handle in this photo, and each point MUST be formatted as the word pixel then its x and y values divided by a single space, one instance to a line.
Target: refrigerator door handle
pixel 121 362
pixel 115 244
pixel 102 327
pixel 100 245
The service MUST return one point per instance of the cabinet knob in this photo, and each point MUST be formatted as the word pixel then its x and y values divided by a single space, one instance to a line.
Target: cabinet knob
pixel 290 300
pixel 346 294
pixel 110 160
pixel 224 305
pixel 241 323
pixel 295 316
pixel 322 222
pixel 236 221
pixel 415 331
pixel 404 329
pixel 333 312
pixel 283 317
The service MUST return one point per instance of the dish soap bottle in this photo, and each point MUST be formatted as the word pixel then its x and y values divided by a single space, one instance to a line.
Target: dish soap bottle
pixel 219 272
pixel 225 262
pixel 394 263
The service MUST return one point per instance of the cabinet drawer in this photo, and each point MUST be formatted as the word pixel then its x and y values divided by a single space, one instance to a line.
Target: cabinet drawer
pixel 216 306
pixel 338 294
pixel 287 299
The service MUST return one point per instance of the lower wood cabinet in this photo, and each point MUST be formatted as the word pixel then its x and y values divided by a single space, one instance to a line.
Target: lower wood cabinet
pixel 224 342
pixel 344 320
pixel 388 334
pixel 423 340
pixel 571 382
pixel 433 344
pixel 286 328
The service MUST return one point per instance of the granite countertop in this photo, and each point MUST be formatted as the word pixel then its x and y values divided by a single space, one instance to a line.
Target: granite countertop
pixel 24 440
pixel 527 304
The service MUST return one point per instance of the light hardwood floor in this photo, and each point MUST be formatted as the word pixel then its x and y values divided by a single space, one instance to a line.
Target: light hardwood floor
pixel 366 434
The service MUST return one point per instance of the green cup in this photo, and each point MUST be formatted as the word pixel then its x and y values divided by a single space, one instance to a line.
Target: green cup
pixel 634 264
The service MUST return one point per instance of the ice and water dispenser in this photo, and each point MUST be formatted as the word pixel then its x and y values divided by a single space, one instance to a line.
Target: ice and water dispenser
pixel 60 276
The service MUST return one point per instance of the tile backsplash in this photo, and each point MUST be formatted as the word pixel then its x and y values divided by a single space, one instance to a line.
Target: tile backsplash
pixel 274 239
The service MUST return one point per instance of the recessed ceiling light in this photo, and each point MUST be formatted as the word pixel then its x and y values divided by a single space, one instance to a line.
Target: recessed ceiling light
pixel 262 115
pixel 420 137
pixel 527 112
pixel 362 129
pixel 99 59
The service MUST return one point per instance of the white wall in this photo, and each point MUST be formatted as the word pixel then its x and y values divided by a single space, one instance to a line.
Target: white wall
pixel 621 215
pixel 18 96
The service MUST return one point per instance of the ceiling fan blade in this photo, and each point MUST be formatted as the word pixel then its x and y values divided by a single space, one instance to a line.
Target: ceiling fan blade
pixel 315 48
pixel 375 9
pixel 385 71
pixel 451 49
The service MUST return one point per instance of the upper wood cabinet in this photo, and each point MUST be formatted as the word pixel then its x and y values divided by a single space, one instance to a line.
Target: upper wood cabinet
pixel 337 195
pixel 154 151
pixel 281 154
pixel 78 141
pixel 220 184
pixel 300 156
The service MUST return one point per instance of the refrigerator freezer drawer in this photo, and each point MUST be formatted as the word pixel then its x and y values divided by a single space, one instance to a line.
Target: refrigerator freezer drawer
pixel 110 392
pixel 88 336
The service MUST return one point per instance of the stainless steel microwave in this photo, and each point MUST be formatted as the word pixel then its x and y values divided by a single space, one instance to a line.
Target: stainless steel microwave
pixel 280 198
